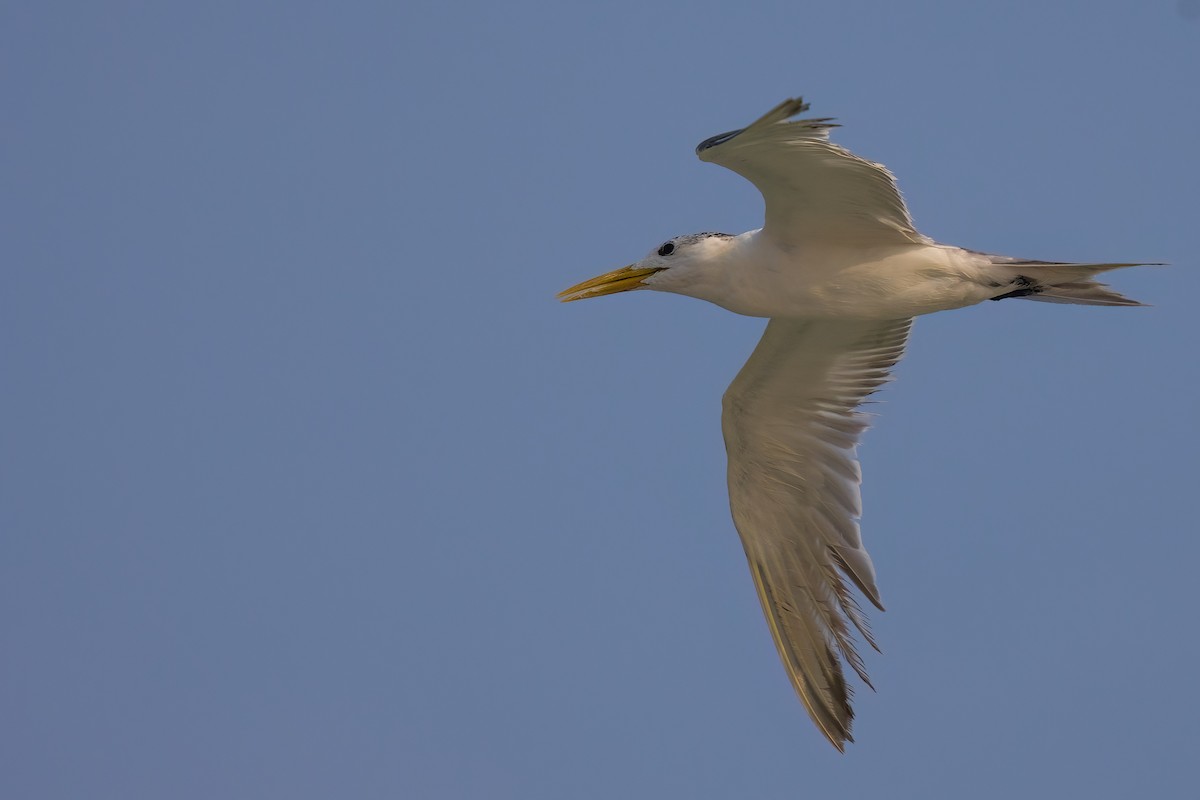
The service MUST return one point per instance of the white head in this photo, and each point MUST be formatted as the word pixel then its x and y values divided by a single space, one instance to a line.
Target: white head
pixel 683 265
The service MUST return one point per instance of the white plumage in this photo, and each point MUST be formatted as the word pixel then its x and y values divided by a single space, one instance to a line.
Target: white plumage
pixel 840 270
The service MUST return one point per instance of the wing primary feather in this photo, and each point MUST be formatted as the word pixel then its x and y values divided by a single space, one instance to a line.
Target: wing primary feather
pixel 833 722
pixel 781 113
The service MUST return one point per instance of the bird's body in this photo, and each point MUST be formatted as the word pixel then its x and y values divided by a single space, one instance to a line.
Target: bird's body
pixel 752 274
pixel 840 271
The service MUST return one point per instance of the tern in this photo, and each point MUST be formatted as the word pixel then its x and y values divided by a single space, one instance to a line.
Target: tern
pixel 840 271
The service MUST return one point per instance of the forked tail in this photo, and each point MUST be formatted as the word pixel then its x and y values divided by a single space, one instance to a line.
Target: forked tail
pixel 1057 282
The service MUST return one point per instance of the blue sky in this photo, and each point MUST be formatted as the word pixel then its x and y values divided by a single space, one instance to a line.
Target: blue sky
pixel 309 488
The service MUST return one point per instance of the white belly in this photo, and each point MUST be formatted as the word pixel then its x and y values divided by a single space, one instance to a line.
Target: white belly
pixel 886 283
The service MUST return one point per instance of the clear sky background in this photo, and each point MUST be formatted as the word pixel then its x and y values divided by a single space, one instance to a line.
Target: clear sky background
pixel 309 488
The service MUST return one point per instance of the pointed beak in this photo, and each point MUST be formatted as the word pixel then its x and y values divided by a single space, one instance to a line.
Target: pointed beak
pixel 619 280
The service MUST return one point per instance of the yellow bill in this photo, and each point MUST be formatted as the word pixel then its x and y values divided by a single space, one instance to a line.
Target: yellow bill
pixel 619 280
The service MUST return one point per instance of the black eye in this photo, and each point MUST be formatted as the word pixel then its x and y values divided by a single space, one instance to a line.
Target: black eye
pixel 667 249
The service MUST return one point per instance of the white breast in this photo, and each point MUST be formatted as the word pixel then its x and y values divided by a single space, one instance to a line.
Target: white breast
pixel 762 280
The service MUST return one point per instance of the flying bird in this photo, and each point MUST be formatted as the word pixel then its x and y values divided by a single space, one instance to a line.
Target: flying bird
pixel 840 272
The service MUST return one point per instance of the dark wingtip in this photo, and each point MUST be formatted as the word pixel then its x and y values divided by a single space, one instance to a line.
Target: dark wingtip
pixel 713 141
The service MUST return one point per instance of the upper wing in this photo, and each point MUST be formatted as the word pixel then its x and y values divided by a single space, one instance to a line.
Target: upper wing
pixel 791 430
pixel 814 190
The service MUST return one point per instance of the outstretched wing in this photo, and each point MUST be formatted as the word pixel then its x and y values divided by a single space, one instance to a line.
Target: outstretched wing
pixel 813 189
pixel 790 430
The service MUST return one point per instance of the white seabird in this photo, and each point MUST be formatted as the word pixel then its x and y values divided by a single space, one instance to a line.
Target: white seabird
pixel 840 271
